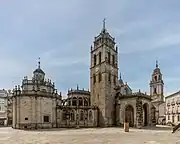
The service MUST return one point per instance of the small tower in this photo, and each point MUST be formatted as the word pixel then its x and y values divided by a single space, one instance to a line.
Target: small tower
pixel 39 73
pixel 157 85
pixel 121 83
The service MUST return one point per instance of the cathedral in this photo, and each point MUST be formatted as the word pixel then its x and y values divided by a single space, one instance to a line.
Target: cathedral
pixel 36 104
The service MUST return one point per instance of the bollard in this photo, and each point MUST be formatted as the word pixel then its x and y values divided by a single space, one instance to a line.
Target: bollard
pixel 126 127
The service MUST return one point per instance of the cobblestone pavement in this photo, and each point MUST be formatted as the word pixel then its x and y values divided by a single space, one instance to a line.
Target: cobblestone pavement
pixel 89 136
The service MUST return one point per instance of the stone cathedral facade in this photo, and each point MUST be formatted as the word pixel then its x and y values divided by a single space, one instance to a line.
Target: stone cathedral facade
pixel 110 102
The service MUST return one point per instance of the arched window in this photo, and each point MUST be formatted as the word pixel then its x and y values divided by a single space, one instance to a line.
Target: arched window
pixel 85 102
pixel 94 78
pixel 94 60
pixel 74 101
pixel 155 78
pixel 69 102
pixel 113 59
pixel 155 91
pixel 90 115
pixel 100 77
pixel 72 116
pixel 64 115
pixel 82 115
pixel 114 79
pixel 109 77
pixel 99 57
pixel 109 57
pixel 89 102
pixel 80 101
pixel 172 118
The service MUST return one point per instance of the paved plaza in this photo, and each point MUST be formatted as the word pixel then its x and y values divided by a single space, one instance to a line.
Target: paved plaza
pixel 89 136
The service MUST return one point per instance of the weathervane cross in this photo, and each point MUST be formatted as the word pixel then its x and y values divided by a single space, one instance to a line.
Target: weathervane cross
pixel 156 63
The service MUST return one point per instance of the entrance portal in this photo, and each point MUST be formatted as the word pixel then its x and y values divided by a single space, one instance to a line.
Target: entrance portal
pixel 129 115
pixel 145 114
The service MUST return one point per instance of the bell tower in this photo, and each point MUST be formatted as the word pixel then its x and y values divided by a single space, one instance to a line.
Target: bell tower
pixel 157 85
pixel 104 76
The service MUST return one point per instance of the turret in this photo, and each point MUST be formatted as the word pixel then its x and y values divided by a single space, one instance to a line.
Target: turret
pixel 157 85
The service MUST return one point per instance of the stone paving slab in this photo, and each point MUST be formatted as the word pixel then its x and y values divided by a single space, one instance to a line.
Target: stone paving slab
pixel 89 136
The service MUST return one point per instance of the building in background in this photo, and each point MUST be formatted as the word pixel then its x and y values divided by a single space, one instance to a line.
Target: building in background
pixel 3 107
pixel 173 108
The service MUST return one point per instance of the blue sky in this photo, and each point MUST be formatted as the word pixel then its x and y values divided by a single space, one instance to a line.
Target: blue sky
pixel 61 32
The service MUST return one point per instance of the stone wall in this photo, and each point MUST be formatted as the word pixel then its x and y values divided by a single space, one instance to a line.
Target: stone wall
pixel 123 104
pixel 139 113
pixel 71 117
pixel 29 111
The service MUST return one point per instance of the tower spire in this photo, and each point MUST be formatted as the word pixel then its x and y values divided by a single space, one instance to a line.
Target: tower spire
pixel 39 63
pixel 120 75
pixel 156 64
pixel 104 25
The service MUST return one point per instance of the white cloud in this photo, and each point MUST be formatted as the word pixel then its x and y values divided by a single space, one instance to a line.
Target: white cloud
pixel 60 32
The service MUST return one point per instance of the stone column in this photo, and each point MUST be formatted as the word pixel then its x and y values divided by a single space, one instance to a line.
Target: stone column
pixel 139 113
pixel 77 119
pixel 77 103
pixel 71 101
pixel 14 112
pixel 18 112
pixel 83 101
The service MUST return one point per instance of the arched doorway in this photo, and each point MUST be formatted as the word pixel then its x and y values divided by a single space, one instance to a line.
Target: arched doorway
pixel 129 115
pixel 145 114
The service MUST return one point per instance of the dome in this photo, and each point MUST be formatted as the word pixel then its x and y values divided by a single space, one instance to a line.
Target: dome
pixel 39 70
pixel 157 69
pixel 39 73
pixel 121 81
